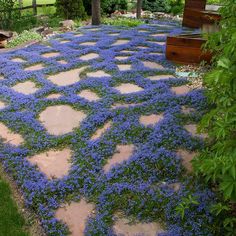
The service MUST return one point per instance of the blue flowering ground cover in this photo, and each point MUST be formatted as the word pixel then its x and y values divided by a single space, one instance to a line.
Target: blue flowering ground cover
pixel 140 187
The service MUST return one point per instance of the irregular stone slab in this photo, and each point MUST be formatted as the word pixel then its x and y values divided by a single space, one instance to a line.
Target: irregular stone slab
pixel 150 119
pixel 75 216
pixel 88 43
pixel 120 42
pixel 181 90
pixel 65 41
pixel 102 130
pixel 66 78
pixel 114 34
pixel 89 56
pixel 9 137
pixel 143 31
pixel 128 51
pixel 152 65
pixel 159 35
pixel 89 95
pixel 63 62
pixel 128 88
pixel 160 77
pixel 97 74
pixel 122 153
pixel 120 58
pixel 156 53
pixel 187 110
pixel 26 88
pixel 2 105
pixel 186 158
pixel 1 77
pixel 142 47
pixel 35 67
pixel 192 128
pixel 18 59
pixel 50 54
pixel 61 119
pixel 54 96
pixel 123 227
pixel 124 67
pixel 54 164
pixel 175 186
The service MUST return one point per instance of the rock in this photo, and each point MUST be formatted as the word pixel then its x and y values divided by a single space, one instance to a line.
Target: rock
pixel 5 34
pixel 67 24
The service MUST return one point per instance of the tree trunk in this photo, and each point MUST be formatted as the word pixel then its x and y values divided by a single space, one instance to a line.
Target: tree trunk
pixel 34 4
pixel 96 12
pixel 139 8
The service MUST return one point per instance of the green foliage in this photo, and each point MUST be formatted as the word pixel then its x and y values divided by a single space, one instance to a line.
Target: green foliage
pixel 177 7
pixel 157 5
pixel 70 9
pixel 217 163
pixel 119 21
pixel 110 6
pixel 185 204
pixel 11 222
pixel 25 36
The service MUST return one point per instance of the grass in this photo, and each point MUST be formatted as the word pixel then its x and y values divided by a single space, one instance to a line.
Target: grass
pixel 29 2
pixel 11 222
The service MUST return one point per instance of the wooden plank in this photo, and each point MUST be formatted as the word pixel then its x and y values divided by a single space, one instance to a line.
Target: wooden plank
pixel 195 4
pixel 194 41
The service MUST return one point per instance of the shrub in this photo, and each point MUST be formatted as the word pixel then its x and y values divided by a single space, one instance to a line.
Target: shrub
pixel 70 9
pixel 157 5
pixel 217 163
pixel 119 21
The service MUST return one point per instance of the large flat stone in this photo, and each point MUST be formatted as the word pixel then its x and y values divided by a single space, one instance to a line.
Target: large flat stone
pixel 26 88
pixel 54 164
pixel 89 95
pixel 61 119
pixel 54 96
pixel 89 56
pixel 123 227
pixel 128 88
pixel 121 58
pixel 160 77
pixel 35 67
pixel 88 44
pixel 120 42
pixel 75 216
pixel 152 65
pixel 181 90
pixel 50 54
pixel 10 137
pixel 100 132
pixel 18 59
pixel 2 105
pixel 97 74
pixel 150 119
pixel 192 128
pixel 186 157
pixel 122 153
pixel 67 77
pixel 124 67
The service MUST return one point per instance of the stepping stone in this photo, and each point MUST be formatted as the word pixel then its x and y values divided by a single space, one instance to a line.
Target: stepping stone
pixel 160 77
pixel 120 42
pixel 54 164
pixel 123 227
pixel 122 153
pixel 102 130
pixel 18 59
pixel 120 105
pixel 128 88
pixel 114 34
pixel 26 88
pixel 142 47
pixel 66 78
pixel 186 157
pixel 156 53
pixel 152 65
pixel 75 216
pixel 63 62
pixel 187 110
pixel 9 137
pixel 89 56
pixel 54 96
pixel 1 77
pixel 88 43
pixel 175 186
pixel 50 54
pixel 97 74
pixel 61 119
pixel 128 51
pixel 181 90
pixel 159 35
pixel 192 128
pixel 65 41
pixel 89 95
pixel 158 42
pixel 2 105
pixel 143 31
pixel 120 58
pixel 124 67
pixel 150 119
pixel 35 67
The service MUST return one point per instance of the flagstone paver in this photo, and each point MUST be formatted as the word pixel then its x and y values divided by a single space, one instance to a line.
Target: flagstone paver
pixel 61 119
pixel 150 119
pixel 18 59
pixel 54 164
pixel 120 42
pixel 160 77
pixel 99 73
pixel 186 157
pixel 152 65
pixel 89 56
pixel 54 96
pixel 181 90
pixel 66 77
pixel 120 58
pixel 124 67
pixel 89 95
pixel 102 130
pixel 26 88
pixel 35 67
pixel 50 54
pixel 192 128
pixel 2 105
pixel 128 88
pixel 88 43
pixel 75 216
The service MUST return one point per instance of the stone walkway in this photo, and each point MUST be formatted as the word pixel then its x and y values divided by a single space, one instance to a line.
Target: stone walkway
pixel 99 133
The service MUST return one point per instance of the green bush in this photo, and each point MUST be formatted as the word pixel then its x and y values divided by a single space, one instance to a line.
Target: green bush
pixel 70 9
pixel 157 5
pixel 217 163
pixel 119 21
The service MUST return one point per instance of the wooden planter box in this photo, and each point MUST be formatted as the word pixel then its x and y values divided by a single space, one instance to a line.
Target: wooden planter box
pixel 186 49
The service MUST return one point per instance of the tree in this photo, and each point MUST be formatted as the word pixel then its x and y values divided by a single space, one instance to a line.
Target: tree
pixel 34 4
pixel 139 8
pixel 96 12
